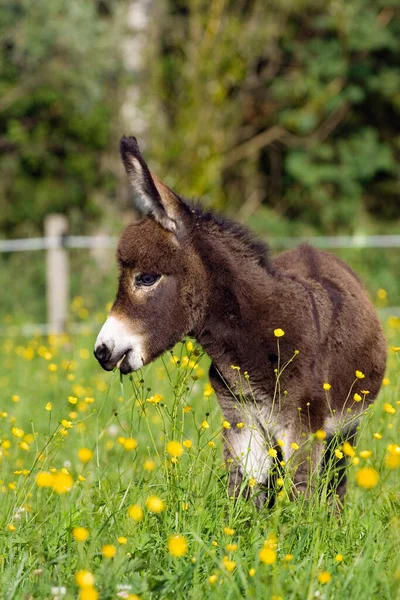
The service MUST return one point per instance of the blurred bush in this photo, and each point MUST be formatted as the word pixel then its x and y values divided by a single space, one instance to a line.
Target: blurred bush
pixel 59 65
pixel 288 108
pixel 285 109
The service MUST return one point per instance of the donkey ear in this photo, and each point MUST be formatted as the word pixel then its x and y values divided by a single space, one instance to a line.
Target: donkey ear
pixel 153 196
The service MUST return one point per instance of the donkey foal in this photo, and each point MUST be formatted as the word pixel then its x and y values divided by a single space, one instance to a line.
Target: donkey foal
pixel 184 271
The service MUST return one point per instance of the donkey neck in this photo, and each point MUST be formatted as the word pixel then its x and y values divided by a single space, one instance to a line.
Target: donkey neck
pixel 243 303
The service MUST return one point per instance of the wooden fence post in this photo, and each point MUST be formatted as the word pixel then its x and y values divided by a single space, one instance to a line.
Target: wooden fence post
pixel 57 273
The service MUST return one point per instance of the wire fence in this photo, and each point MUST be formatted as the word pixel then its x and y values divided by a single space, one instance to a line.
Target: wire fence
pixel 345 242
pixel 56 243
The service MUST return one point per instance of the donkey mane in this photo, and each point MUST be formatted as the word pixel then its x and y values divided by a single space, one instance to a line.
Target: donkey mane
pixel 242 238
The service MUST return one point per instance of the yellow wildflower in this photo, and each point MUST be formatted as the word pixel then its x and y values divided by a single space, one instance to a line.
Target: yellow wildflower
pixel 205 425
pixel 357 397
pixel 177 545
pixel 85 455
pixel 122 540
pixel 208 390
pixel 326 386
pixel 389 409
pixel 360 375
pixel 367 478
pixel 338 453
pixel 188 443
pixel 84 579
pixel 339 557
pixel 174 448
pixel 49 406
pixel 80 534
pixel 348 449
pixel 135 512
pixel 365 453
pixel 156 399
pixel 130 444
pixel 240 425
pixel 108 551
pixel 229 531
pixel 213 579
pixel 272 452
pixel 267 555
pixel 62 483
pixel 324 577
pixel 44 479
pixel 226 425
pixel 154 504
pixel 229 565
pixel 231 547
pixel 295 446
pixel 149 465
pixel 320 434
pixel 279 332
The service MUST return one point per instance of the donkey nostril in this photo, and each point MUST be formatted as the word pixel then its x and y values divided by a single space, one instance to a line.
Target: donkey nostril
pixel 102 353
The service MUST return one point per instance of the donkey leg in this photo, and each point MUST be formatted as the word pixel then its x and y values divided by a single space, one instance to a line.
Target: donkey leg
pixel 303 457
pixel 248 458
pixel 337 466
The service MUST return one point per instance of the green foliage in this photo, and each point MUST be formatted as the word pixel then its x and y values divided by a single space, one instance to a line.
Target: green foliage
pixel 291 105
pixel 58 67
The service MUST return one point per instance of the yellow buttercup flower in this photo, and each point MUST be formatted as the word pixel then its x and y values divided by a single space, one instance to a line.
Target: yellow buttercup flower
pixel 229 531
pixel 229 565
pixel 360 375
pixel 156 399
pixel 62 483
pixel 80 534
pixel 279 332
pixel 326 386
pixel 149 465
pixel 108 551
pixel 84 579
pixel 365 453
pixel 348 449
pixel 339 557
pixel 177 545
pixel 324 577
pixel 320 434
pixel 367 478
pixel 85 455
pixel 267 555
pixel 135 512
pixel 389 408
pixel 174 448
pixel 154 504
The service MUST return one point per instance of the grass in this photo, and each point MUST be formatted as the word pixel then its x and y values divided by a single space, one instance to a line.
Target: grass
pixel 79 447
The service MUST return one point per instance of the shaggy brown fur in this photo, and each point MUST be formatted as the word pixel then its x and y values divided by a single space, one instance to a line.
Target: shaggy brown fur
pixel 213 281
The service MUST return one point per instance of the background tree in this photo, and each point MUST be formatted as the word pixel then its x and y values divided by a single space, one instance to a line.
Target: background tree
pixel 284 108
pixel 59 70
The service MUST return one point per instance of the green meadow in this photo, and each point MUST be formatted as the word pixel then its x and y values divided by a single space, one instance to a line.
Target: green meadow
pixel 117 488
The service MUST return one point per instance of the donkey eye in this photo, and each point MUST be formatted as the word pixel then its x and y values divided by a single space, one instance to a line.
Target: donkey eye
pixel 146 279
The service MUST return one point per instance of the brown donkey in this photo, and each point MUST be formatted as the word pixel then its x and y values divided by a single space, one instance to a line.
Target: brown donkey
pixel 184 271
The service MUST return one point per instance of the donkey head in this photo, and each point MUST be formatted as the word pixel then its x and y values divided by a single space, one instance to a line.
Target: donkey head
pixel 162 285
